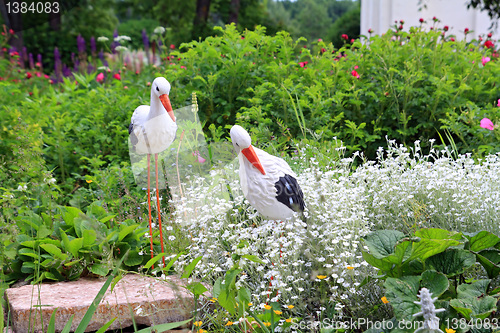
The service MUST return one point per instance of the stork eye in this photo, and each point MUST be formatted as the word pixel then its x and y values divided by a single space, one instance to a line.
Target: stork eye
pixel 157 89
pixel 237 144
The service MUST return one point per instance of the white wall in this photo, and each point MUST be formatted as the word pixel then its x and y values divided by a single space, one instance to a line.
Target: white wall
pixel 380 15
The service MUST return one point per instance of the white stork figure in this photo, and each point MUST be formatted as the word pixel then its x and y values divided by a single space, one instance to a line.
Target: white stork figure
pixel 152 130
pixel 267 181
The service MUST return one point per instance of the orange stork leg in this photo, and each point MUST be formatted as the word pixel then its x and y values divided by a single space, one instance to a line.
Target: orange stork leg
pixel 149 209
pixel 158 208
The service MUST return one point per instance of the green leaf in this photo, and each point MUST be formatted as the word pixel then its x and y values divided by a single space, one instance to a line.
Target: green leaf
pixel 164 327
pixel 452 262
pixel 253 258
pixel 244 295
pixel 402 293
pixel 436 282
pixel 189 268
pixel 227 299
pixel 475 289
pixel 382 243
pixel 43 232
pixel 133 258
pixel 217 287
pixel 100 269
pixel 67 327
pixel 153 260
pixel 426 248
pixel 89 236
pixel 69 215
pixel 54 251
pixel 479 308
pixel 382 264
pixel 436 233
pixel 126 231
pixel 52 322
pixel 490 260
pixel 196 288
pixel 482 240
pixel 105 327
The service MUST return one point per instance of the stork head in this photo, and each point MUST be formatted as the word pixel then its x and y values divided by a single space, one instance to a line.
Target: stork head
pixel 243 143
pixel 161 88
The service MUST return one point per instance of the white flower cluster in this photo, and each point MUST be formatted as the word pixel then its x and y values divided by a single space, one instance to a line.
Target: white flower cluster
pixel 320 258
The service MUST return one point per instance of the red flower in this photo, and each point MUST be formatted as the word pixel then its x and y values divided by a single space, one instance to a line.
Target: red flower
pixel 421 20
pixel 355 74
pixel 344 36
pixel 100 77
pixel 15 53
pixel 30 93
pixel 434 18
pixel 402 22
pixel 401 27
pixel 466 31
pixel 11 31
pixel 323 50
pixel 303 64
pixel 452 39
pixel 117 76
pixel 28 75
pixel 370 30
pixel 446 28
pixel 172 46
pixel 489 35
pixel 489 44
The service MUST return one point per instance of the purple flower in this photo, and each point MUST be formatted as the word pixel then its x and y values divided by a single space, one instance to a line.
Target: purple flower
pixel 80 41
pixel 39 60
pixel 25 54
pixel 488 124
pixel 145 40
pixel 103 60
pixel 31 60
pixel 92 45
pixel 114 44
pixel 57 63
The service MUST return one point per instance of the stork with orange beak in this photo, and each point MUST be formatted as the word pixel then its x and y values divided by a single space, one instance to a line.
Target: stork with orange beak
pixel 152 130
pixel 267 181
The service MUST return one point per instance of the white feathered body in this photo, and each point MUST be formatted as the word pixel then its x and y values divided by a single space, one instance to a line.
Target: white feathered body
pixel 259 189
pixel 154 132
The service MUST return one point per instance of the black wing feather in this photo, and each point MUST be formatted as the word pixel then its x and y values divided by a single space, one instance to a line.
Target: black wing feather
pixel 289 193
pixel 133 138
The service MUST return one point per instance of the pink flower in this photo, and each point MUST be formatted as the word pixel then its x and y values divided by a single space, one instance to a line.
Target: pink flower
pixel 183 67
pixel 117 76
pixel 488 124
pixel 28 75
pixel 100 77
pixel 356 67
pixel 303 64
pixel 46 76
pixel 355 74
pixel 38 74
pixel 320 40
pixel 344 36
pixel 172 46
pixel 498 103
pixel 485 60
pixel 200 159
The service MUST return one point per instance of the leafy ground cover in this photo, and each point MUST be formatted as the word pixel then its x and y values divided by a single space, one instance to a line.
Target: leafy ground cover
pixel 70 207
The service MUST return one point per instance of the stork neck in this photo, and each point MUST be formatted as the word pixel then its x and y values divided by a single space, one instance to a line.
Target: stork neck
pixel 155 107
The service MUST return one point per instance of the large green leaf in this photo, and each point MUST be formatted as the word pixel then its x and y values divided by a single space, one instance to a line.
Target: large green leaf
pixel 436 282
pixel 490 260
pixel 452 262
pixel 426 248
pixel 402 293
pixel 475 289
pixel 133 258
pixel 435 233
pixel 89 236
pixel 482 240
pixel 382 243
pixel 126 231
pixel 479 308
pixel 100 269
pixel 69 215
pixel 382 264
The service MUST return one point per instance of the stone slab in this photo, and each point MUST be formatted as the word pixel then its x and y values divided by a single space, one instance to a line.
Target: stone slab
pixel 148 300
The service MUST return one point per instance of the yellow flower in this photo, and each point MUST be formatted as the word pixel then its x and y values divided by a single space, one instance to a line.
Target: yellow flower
pixel 290 306
pixel 278 312
pixel 289 320
pixel 266 323
pixel 213 300
pixel 229 323
pixel 267 307
pixel 350 267
pixel 449 330
pixel 321 277
pixel 89 181
pixel 197 323
pixel 250 304
pixel 202 331
pixel 384 300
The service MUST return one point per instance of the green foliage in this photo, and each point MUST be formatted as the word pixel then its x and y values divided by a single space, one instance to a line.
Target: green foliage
pixel 437 260
pixel 70 244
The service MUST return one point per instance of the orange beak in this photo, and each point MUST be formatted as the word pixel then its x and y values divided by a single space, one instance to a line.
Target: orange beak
pixel 252 158
pixel 166 104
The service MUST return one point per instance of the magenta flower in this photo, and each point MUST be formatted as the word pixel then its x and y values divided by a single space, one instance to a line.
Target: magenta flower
pixel 498 103
pixel 117 76
pixel 355 74
pixel 485 60
pixel 488 124
pixel 303 64
pixel 100 77
pixel 200 159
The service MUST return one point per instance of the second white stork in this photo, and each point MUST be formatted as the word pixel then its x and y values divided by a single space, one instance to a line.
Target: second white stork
pixel 152 130
pixel 267 181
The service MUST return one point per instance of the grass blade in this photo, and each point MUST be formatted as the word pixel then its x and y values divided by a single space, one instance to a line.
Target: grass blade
pixel 164 327
pixel 93 307
pixel 52 322
pixel 67 327
pixel 105 327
